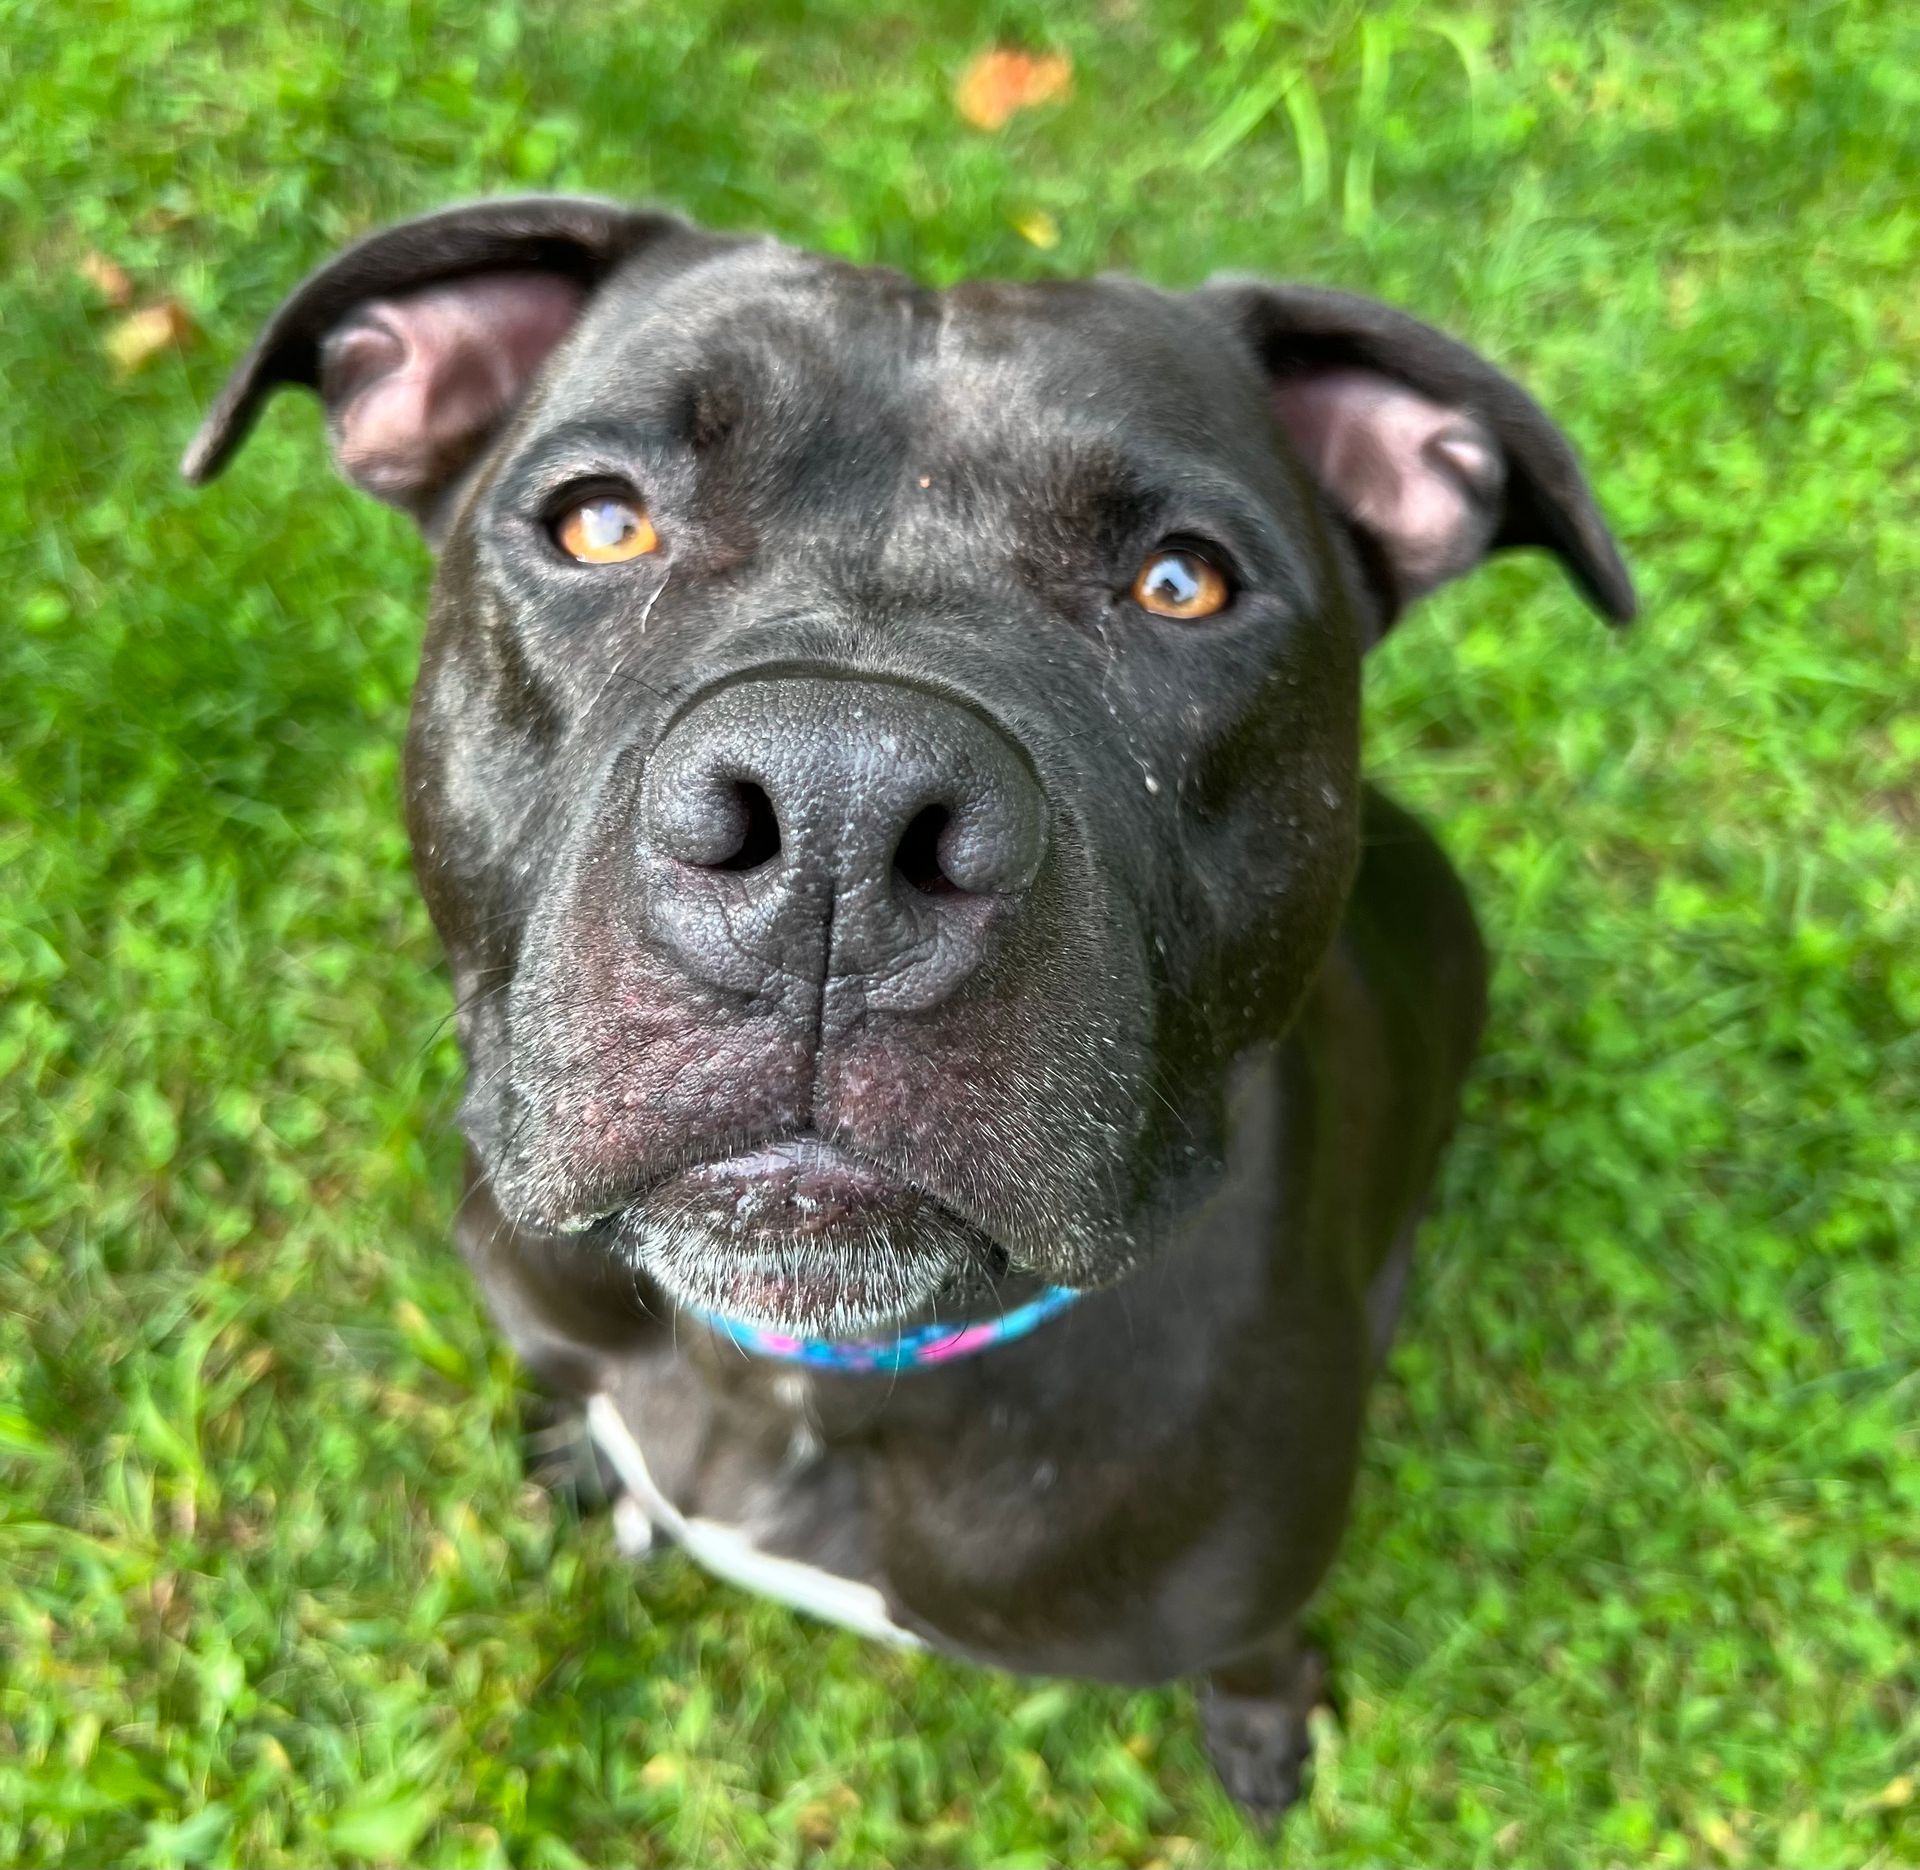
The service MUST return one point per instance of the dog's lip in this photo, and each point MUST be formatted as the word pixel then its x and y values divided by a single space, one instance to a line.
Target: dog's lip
pixel 814 1186
pixel 810 1173
pixel 801 1158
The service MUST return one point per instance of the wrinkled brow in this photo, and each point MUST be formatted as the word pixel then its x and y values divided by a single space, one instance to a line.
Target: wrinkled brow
pixel 1081 499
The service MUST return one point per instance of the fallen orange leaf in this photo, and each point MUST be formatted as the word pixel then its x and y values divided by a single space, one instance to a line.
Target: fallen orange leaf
pixel 1001 81
pixel 107 277
pixel 141 336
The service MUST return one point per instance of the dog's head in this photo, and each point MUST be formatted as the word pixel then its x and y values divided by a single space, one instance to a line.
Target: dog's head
pixel 883 754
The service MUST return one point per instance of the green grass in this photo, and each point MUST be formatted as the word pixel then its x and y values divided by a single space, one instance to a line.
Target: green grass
pixel 1635 1572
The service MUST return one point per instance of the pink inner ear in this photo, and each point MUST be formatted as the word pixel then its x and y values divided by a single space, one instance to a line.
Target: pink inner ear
pixel 414 386
pixel 1423 479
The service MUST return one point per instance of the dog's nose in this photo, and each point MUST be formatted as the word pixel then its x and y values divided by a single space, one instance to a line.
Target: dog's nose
pixel 837 828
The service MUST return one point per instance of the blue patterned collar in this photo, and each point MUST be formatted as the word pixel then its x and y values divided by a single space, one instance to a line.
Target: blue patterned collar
pixel 911 1349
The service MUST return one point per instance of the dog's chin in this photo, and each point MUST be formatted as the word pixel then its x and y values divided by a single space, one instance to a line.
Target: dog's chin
pixel 799 1238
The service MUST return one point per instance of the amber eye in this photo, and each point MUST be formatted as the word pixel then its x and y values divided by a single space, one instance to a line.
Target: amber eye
pixel 605 531
pixel 1179 583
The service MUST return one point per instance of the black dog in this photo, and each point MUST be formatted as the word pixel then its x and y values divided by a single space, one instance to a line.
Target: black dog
pixel 885 769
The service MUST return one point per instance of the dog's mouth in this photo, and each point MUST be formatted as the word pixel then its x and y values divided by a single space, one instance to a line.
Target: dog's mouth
pixel 799 1236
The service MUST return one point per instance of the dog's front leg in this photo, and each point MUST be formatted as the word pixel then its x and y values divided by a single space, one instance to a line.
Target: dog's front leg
pixel 1253 1717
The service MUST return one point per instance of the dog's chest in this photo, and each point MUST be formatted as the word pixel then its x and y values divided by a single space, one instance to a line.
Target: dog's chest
pixel 962 1512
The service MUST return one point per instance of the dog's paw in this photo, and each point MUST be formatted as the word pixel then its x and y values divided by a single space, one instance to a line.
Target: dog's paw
pixel 1259 1742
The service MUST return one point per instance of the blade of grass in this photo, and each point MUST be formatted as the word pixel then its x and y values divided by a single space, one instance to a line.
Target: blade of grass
pixel 1243 116
pixel 1468 36
pixel 1309 142
pixel 1376 64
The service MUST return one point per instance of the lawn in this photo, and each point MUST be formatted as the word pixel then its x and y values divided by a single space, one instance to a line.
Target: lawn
pixel 1635 1571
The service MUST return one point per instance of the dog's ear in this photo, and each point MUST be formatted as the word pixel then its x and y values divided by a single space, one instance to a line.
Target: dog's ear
pixel 1431 456
pixel 422 339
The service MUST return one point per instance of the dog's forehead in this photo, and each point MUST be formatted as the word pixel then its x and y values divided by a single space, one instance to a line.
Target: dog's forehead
pixel 773 324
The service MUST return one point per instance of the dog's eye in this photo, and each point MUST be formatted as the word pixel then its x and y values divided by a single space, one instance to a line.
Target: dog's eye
pixel 1182 584
pixel 605 531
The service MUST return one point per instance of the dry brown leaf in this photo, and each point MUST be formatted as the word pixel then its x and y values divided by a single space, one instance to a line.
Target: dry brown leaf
pixel 141 336
pixel 107 277
pixel 1001 81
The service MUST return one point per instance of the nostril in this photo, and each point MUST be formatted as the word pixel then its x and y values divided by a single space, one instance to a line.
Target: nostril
pixel 759 829
pixel 917 858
